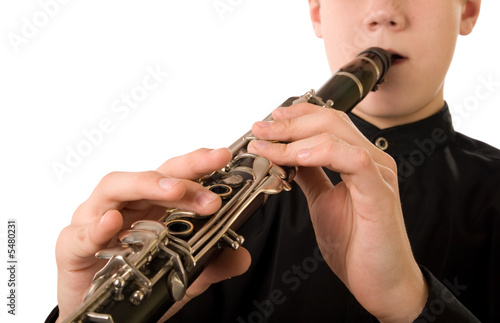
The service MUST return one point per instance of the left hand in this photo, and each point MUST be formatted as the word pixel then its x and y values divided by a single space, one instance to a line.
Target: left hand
pixel 122 198
pixel 358 223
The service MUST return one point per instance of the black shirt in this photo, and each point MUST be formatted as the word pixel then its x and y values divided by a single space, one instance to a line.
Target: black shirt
pixel 450 193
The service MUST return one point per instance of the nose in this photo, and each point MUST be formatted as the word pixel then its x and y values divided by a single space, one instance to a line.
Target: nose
pixel 385 14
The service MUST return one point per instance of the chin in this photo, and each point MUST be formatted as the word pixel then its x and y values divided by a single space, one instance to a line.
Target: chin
pixel 382 104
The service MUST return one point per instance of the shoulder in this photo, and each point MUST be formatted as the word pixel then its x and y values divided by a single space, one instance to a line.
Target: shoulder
pixel 477 167
pixel 470 149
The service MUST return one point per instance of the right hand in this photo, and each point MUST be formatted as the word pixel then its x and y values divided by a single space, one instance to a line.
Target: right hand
pixel 122 198
pixel 359 222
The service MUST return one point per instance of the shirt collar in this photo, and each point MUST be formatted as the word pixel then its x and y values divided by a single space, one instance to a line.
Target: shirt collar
pixel 427 134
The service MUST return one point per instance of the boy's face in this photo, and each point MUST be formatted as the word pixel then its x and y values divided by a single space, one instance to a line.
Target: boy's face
pixel 423 32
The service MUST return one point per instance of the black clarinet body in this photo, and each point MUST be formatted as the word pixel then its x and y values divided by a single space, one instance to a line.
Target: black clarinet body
pixel 154 262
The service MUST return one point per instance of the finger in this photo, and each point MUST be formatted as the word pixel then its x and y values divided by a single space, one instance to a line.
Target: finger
pixel 295 111
pixel 229 263
pixel 356 166
pixel 285 154
pixel 325 151
pixel 85 240
pixel 306 120
pixel 197 163
pixel 332 226
pixel 313 182
pixel 389 173
pixel 76 263
pixel 329 125
pixel 119 188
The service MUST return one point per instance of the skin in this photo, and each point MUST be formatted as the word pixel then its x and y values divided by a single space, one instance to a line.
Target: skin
pixel 123 198
pixel 414 29
pixel 358 223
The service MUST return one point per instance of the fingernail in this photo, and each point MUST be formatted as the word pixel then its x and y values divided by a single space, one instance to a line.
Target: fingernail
pixel 203 198
pixel 304 153
pixel 264 124
pixel 260 144
pixel 168 182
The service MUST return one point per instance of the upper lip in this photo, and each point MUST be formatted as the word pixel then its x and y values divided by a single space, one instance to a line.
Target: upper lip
pixel 396 55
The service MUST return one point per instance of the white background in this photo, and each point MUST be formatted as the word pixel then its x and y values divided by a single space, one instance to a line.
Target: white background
pixel 225 71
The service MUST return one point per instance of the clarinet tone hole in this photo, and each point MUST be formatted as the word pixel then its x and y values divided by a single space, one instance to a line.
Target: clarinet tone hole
pixel 180 228
pixel 223 190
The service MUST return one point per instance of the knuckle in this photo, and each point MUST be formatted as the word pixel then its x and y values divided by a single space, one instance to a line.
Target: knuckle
pixel 389 175
pixel 148 174
pixel 109 178
pixel 332 117
pixel 280 113
pixel 386 160
pixel 283 149
pixel 342 115
pixel 306 107
pixel 303 105
pixel 281 130
pixel 391 163
pixel 335 115
pixel 392 178
pixel 362 157
pixel 329 138
pixel 325 136
pixel 333 138
pixel 284 124
pixel 137 178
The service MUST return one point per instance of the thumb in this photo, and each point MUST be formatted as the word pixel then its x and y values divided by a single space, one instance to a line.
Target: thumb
pixel 85 240
pixel 75 255
pixel 229 263
pixel 313 181
pixel 103 229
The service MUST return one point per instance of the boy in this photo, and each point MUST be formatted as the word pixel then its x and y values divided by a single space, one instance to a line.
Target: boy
pixel 387 242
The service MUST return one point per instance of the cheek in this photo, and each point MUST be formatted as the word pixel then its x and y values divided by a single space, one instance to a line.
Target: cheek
pixel 437 49
pixel 438 31
pixel 341 35
pixel 344 47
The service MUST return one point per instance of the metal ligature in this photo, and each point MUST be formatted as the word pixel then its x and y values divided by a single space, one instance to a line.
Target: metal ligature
pixel 155 262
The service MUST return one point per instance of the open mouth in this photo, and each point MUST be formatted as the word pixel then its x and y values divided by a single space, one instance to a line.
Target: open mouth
pixel 397 58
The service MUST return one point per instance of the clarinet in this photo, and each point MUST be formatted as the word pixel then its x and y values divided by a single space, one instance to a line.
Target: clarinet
pixel 155 262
